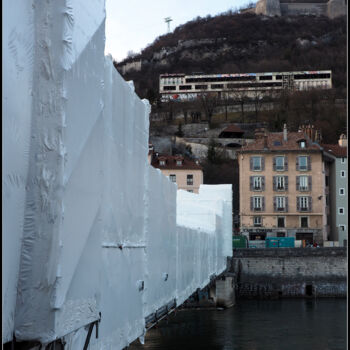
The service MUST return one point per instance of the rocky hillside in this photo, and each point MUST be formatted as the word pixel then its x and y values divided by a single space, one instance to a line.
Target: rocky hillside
pixel 232 42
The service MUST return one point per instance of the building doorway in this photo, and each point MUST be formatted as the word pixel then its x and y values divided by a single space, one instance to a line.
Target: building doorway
pixel 305 236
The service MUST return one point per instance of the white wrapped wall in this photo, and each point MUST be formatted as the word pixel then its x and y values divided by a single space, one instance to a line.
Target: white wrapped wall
pixel 89 227
pixel 17 69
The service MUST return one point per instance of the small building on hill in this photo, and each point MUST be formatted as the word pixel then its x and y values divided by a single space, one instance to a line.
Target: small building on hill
pixel 232 131
pixel 186 173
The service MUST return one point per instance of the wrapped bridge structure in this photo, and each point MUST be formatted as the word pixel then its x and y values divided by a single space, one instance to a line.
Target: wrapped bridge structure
pixel 93 236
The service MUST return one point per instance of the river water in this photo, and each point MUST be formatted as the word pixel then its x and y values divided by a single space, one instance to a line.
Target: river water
pixel 287 324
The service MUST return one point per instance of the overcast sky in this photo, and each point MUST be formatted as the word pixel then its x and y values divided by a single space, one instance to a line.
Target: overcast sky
pixel 133 24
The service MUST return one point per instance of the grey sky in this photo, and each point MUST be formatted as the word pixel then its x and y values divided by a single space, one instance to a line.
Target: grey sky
pixel 133 24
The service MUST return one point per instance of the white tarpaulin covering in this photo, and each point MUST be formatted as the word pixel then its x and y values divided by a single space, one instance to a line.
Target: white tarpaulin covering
pixel 90 228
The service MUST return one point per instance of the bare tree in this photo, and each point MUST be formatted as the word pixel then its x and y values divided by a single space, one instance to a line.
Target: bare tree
pixel 257 98
pixel 209 102
pixel 240 97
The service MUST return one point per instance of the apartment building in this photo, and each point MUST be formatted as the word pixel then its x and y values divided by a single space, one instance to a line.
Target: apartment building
pixel 336 158
pixel 254 85
pixel 186 173
pixel 282 188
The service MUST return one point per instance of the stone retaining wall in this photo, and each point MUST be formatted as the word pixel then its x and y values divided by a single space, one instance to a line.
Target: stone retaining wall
pixel 290 272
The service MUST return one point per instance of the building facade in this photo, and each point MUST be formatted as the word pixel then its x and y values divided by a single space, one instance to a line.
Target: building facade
pixel 336 156
pixel 186 173
pixel 253 85
pixel 282 188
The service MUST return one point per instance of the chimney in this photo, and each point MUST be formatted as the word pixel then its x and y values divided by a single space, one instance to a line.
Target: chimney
pixel 285 133
pixel 343 142
pixel 265 140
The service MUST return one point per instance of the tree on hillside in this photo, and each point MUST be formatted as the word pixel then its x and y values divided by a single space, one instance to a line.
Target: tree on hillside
pixel 239 97
pixel 209 102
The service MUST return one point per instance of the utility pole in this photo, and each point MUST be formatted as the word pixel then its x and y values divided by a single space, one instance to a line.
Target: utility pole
pixel 168 20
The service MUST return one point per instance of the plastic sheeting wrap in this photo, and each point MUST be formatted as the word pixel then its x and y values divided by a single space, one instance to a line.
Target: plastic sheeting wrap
pixel 17 69
pixel 90 228
pixel 161 241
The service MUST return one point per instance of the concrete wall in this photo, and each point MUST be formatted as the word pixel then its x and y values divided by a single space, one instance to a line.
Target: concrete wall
pixel 331 8
pixel 303 9
pixel 287 272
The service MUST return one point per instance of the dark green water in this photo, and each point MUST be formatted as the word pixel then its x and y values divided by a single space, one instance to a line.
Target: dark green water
pixel 296 324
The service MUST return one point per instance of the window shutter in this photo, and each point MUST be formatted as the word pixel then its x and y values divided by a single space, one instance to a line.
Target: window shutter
pixel 286 182
pixel 251 163
pixel 274 203
pixel 298 183
pixel 274 183
pixel 263 183
pixel 297 163
pixel 308 163
pixel 310 182
pixel 263 203
pixel 251 183
pixel 262 163
pixel 286 163
pixel 286 199
pixel 251 203
pixel 274 163
pixel 298 203
pixel 310 203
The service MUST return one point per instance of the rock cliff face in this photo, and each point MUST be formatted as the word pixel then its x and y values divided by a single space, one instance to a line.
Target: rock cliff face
pixel 331 8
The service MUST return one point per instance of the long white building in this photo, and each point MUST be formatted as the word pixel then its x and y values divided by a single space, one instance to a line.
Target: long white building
pixel 181 86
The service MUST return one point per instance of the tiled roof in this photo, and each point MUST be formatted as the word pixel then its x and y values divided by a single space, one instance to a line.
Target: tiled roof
pixel 170 163
pixel 233 128
pixel 335 149
pixel 275 143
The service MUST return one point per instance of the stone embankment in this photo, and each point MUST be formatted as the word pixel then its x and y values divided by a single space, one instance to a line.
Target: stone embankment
pixel 289 272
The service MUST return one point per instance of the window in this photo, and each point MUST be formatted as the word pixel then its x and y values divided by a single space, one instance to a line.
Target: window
pixel 342 191
pixel 327 199
pixel 256 163
pixel 280 221
pixel 280 183
pixel 172 177
pixel 327 181
pixel 343 160
pixel 185 87
pixel 302 163
pixel 304 203
pixel 304 221
pixel 280 203
pixel 179 162
pixel 279 163
pixel 257 221
pixel 191 191
pixel 190 180
pixel 217 86
pixel 343 173
pixel 201 87
pixel 257 203
pixel 342 227
pixel 303 183
pixel 167 88
pixel 302 144
pixel 257 183
pixel 341 211
pixel 162 162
